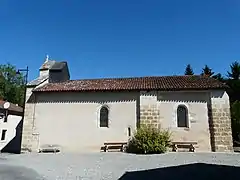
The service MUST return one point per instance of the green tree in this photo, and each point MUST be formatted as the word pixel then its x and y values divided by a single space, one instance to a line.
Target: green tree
pixel 189 70
pixel 235 114
pixel 234 89
pixel 219 77
pixel 207 71
pixel 235 71
pixel 11 84
pixel 234 81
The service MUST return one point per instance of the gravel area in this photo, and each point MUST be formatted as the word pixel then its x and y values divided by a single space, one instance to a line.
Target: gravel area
pixel 118 166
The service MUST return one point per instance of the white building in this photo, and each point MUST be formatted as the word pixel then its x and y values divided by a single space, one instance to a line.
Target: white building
pixel 10 127
pixel 80 115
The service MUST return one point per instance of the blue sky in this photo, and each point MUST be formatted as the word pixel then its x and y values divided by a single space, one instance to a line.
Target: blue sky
pixel 111 38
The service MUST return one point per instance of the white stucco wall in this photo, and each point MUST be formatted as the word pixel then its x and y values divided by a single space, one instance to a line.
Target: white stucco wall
pixel 196 102
pixel 71 120
pixel 10 127
pixel 219 98
pixel 43 73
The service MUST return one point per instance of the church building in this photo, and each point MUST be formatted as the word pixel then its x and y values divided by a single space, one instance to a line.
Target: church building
pixel 80 115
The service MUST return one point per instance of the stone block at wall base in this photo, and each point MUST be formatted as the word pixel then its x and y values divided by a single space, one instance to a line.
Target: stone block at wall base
pixel 223 149
pixel 25 150
pixel 220 123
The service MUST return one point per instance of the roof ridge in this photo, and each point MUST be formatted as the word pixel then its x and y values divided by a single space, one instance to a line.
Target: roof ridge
pixel 134 77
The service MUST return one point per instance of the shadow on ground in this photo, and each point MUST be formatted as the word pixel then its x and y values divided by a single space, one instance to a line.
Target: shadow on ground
pixel 18 173
pixel 198 171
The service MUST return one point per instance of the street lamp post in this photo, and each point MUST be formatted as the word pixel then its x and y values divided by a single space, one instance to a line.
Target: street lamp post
pixel 26 76
pixel 25 85
pixel 24 100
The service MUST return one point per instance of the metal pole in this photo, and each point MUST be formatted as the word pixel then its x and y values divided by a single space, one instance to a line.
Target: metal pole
pixel 6 115
pixel 25 90
pixel 24 104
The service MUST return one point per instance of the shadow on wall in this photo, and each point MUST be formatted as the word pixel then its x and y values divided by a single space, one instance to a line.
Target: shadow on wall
pixel 86 97
pixel 14 146
pixel 198 171
pixel 218 94
pixel 200 97
pixel 31 99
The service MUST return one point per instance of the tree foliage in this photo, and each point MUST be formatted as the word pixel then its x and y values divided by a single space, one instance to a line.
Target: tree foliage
pixel 233 81
pixel 189 70
pixel 219 77
pixel 235 113
pixel 235 71
pixel 234 90
pixel 11 84
pixel 206 71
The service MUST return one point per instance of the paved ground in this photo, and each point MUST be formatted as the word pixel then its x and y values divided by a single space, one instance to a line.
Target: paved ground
pixel 119 166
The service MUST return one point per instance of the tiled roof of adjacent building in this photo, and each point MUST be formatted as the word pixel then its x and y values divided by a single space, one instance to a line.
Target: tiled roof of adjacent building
pixel 37 81
pixel 12 107
pixel 163 83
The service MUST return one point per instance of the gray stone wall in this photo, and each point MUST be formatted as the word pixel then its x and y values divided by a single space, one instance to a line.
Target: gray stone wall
pixel 220 124
pixel 150 115
pixel 221 129
pixel 28 139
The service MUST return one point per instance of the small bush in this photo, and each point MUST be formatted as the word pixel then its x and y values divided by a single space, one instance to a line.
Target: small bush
pixel 149 140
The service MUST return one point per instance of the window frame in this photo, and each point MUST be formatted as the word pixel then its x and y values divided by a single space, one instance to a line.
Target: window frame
pixel 187 116
pixel 99 116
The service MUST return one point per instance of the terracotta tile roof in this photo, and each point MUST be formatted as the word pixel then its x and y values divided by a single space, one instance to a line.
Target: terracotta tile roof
pixel 12 107
pixel 135 83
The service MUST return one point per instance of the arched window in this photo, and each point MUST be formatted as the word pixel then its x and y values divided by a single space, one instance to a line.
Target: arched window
pixel 182 116
pixel 104 117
